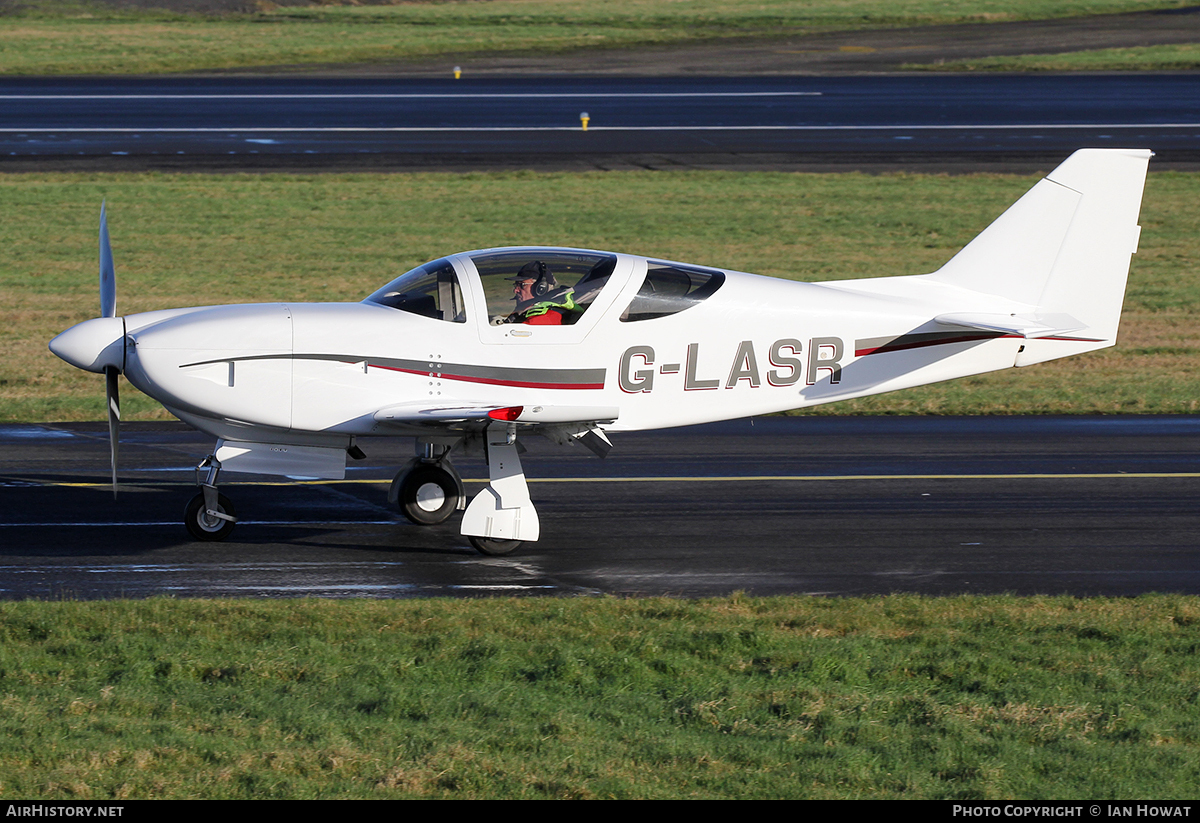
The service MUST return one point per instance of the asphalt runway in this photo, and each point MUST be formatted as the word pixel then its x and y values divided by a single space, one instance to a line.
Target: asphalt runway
pixel 803 505
pixel 205 123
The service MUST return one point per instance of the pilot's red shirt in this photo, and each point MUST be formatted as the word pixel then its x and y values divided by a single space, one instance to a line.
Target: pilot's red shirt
pixel 550 318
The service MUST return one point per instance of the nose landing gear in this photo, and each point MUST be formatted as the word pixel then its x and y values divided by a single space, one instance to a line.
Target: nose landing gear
pixel 209 515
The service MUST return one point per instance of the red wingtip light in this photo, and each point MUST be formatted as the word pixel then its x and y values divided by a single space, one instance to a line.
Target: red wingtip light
pixel 509 414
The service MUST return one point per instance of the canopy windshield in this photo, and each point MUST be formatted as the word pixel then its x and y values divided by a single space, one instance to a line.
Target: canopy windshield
pixel 431 290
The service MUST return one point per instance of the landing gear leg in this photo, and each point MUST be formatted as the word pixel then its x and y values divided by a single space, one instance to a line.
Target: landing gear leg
pixel 501 516
pixel 210 515
pixel 427 489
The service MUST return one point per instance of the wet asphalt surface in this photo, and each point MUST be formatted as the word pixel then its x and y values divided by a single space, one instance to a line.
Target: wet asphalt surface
pixel 822 506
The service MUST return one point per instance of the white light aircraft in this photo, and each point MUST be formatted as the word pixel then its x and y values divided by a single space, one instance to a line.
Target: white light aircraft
pixel 602 342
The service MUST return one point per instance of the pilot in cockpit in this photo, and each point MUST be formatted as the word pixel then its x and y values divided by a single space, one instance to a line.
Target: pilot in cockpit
pixel 540 300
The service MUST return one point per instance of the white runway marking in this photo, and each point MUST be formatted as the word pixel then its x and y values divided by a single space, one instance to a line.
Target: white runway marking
pixel 234 130
pixel 94 524
pixel 423 96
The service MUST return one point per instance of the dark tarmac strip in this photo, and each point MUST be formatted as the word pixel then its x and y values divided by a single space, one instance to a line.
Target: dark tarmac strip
pixel 934 122
pixel 803 505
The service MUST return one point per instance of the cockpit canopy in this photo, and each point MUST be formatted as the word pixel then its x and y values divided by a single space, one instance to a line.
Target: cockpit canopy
pixel 564 281
pixel 568 280
pixel 669 288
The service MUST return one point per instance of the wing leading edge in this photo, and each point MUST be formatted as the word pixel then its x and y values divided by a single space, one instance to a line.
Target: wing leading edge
pixel 561 424
pixel 409 414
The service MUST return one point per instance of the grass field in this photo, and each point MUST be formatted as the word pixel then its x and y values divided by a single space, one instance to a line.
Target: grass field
pixel 1181 57
pixel 183 240
pixel 93 37
pixel 896 697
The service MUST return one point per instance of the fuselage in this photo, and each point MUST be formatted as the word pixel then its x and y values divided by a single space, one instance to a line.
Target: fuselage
pixel 317 373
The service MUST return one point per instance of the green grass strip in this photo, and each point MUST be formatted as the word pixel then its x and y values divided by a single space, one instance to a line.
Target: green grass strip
pixel 1180 57
pixel 739 697
pixel 93 37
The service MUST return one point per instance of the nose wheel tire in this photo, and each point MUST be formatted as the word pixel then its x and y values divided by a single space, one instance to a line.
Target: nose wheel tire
pixel 493 547
pixel 202 525
pixel 428 495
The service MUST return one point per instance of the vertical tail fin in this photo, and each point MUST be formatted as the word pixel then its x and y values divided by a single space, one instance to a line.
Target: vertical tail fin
pixel 1063 249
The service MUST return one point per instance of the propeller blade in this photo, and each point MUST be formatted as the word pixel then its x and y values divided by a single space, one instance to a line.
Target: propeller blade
pixel 114 419
pixel 108 275
pixel 108 308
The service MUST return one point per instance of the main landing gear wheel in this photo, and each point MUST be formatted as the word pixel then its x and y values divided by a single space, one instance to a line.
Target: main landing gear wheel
pixel 428 495
pixel 202 525
pixel 493 547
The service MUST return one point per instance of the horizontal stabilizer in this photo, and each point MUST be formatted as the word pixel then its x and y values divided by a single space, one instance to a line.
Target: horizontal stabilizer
pixel 1030 326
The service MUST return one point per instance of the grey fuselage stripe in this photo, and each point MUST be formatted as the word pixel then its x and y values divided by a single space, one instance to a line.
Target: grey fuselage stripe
pixel 493 375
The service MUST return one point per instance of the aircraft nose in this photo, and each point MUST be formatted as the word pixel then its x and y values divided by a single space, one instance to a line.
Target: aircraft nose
pixel 93 344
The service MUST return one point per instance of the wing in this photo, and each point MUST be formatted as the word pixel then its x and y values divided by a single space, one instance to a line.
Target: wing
pixel 409 414
pixel 562 424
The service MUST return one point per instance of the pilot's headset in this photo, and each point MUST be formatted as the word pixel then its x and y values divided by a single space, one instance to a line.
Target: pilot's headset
pixel 545 280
